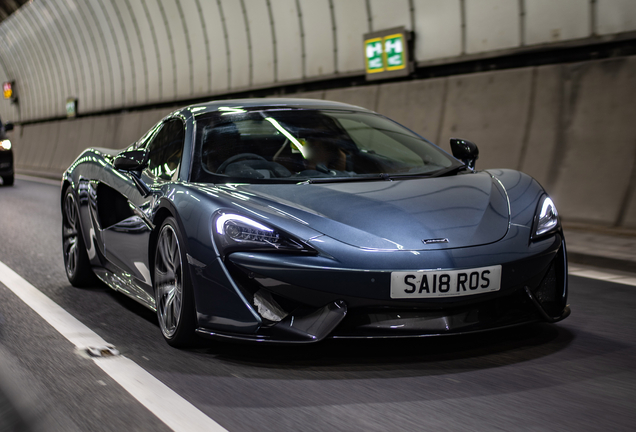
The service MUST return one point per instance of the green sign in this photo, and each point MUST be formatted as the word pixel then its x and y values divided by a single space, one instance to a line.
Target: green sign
pixel 387 53
pixel 394 52
pixel 374 53
pixel 71 107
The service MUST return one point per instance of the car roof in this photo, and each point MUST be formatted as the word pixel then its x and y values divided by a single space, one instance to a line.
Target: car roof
pixel 255 104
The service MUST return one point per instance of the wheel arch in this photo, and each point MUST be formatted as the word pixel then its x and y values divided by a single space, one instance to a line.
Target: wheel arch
pixel 162 214
pixel 66 183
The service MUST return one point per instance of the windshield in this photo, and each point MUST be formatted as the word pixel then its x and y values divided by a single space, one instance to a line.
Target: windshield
pixel 283 145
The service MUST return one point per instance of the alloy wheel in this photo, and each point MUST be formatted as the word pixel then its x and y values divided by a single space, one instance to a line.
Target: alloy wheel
pixel 168 281
pixel 70 234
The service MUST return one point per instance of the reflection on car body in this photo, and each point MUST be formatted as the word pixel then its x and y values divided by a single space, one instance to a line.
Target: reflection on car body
pixel 294 220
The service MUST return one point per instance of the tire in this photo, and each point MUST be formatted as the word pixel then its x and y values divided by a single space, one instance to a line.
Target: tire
pixel 173 290
pixel 76 262
pixel 7 180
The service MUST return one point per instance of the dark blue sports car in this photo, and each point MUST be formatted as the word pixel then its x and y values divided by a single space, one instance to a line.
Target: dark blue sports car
pixel 295 220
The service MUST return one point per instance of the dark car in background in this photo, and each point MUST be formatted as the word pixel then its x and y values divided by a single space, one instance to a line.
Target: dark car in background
pixel 296 220
pixel 6 155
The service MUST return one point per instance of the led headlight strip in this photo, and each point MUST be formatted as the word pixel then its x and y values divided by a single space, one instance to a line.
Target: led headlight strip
pixel 547 217
pixel 220 222
pixel 240 228
pixel 236 232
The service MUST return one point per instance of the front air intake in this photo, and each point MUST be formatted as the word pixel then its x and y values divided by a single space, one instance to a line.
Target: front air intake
pixel 551 293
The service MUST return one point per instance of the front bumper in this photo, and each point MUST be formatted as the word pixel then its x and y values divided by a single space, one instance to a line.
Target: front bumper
pixel 317 302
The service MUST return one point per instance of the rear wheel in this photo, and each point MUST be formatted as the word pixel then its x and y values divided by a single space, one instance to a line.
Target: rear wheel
pixel 173 292
pixel 7 180
pixel 76 262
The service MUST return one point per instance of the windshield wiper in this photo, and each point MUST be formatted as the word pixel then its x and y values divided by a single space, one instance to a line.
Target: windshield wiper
pixel 315 180
pixel 385 176
pixel 439 173
pixel 450 171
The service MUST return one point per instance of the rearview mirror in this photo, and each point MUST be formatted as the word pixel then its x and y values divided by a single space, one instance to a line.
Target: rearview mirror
pixel 131 160
pixel 465 151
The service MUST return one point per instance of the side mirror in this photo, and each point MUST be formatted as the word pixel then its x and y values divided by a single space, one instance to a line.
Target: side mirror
pixel 131 160
pixel 8 127
pixel 465 151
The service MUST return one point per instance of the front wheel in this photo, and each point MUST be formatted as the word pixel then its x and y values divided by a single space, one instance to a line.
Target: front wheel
pixel 76 262
pixel 173 291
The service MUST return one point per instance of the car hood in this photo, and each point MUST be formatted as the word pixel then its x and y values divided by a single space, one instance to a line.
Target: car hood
pixel 415 214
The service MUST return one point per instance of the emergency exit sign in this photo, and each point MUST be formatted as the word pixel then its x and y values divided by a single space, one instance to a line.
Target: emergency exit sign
pixel 387 53
pixel 375 55
pixel 394 52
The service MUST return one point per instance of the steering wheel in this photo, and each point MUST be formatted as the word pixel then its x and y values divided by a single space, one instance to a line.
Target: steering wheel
pixel 236 158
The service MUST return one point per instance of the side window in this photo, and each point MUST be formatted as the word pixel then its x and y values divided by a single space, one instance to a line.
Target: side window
pixel 166 149
pixel 142 142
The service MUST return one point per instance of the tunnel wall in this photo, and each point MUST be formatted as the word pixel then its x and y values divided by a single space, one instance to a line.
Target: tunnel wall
pixel 571 126
pixel 121 54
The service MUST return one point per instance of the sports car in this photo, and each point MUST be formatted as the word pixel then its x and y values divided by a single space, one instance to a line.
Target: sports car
pixel 296 220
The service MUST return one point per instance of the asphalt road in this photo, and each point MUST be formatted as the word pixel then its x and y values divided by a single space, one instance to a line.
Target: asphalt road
pixel 577 375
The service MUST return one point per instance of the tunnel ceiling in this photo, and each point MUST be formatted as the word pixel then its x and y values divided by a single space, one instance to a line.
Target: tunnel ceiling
pixel 121 54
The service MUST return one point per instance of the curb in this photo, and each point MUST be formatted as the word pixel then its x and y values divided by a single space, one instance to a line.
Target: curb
pixel 601 261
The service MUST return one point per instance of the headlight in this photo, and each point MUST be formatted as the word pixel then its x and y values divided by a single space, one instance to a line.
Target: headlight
pixel 5 144
pixel 236 232
pixel 546 219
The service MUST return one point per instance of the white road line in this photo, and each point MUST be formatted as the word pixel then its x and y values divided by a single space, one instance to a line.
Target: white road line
pixel 168 406
pixel 601 275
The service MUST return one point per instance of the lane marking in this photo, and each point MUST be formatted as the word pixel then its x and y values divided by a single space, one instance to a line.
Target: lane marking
pixel 177 413
pixel 601 275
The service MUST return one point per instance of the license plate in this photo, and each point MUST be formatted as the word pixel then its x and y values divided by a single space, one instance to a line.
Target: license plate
pixel 445 283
